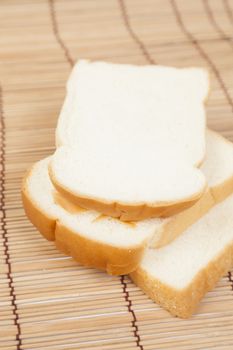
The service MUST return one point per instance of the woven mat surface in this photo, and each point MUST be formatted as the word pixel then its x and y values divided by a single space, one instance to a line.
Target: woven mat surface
pixel 47 301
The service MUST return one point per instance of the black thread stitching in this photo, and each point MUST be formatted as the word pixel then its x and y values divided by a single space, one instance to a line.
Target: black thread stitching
pixel 215 24
pixel 130 309
pixel 57 35
pixel 4 229
pixel 181 42
pixel 133 35
pixel 228 10
pixel 229 275
pixel 201 51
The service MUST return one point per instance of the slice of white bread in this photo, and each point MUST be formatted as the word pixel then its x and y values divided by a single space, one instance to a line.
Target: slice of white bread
pixel 108 243
pixel 130 139
pixel 88 236
pixel 178 276
pixel 218 170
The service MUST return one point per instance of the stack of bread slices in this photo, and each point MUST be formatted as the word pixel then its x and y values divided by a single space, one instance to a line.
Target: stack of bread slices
pixel 137 184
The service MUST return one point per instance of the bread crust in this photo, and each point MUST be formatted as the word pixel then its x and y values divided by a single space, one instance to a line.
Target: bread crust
pixel 180 222
pixel 126 212
pixel 183 302
pixel 114 260
pixel 177 224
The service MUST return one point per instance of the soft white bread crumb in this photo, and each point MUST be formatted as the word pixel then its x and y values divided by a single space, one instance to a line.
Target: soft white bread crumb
pixel 177 276
pixel 131 137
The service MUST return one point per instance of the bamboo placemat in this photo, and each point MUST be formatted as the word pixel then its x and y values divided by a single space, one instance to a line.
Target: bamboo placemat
pixel 47 301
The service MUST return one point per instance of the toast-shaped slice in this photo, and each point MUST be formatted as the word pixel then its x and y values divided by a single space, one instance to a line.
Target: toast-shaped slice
pixel 130 139
pixel 179 275
pixel 108 243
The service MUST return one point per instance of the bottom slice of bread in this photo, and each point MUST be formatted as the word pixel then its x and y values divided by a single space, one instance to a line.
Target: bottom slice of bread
pixel 177 276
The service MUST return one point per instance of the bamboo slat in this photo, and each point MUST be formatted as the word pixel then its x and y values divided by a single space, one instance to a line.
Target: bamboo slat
pixel 47 301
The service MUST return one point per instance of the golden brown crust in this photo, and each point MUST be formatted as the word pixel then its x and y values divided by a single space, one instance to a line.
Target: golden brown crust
pixel 177 224
pixel 222 191
pixel 180 222
pixel 114 260
pixel 183 302
pixel 44 223
pixel 122 211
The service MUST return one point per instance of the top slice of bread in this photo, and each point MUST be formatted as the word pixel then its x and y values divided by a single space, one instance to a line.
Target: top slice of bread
pixel 108 243
pixel 130 139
